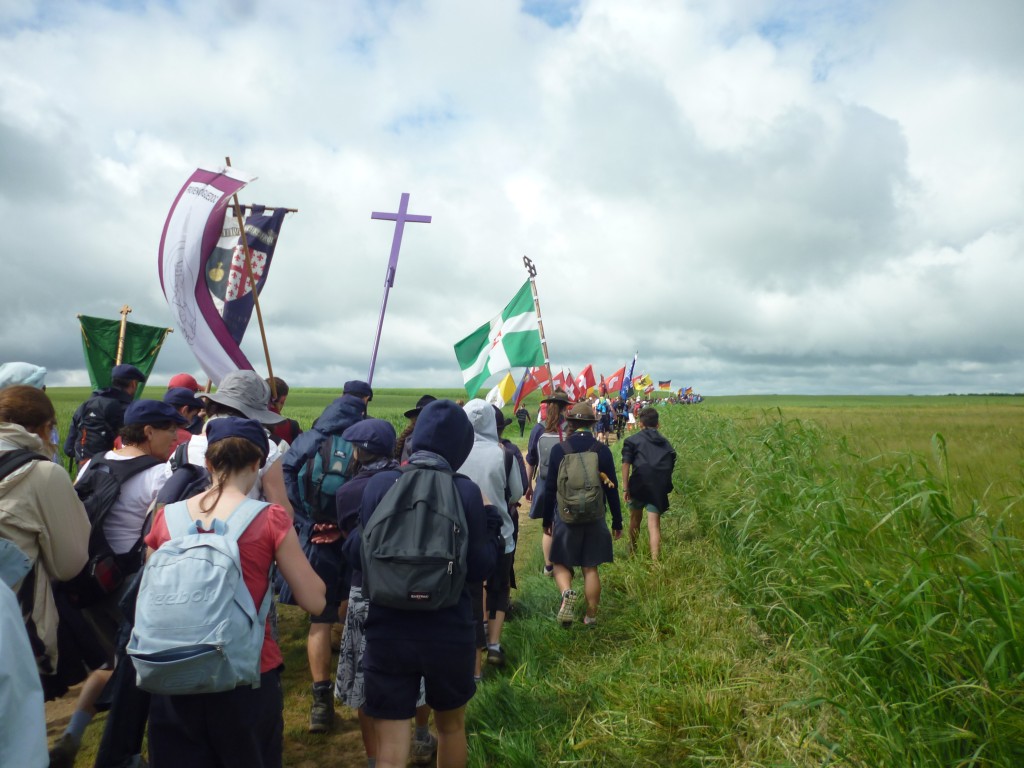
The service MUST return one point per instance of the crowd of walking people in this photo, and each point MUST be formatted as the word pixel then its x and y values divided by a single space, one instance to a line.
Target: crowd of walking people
pixel 153 579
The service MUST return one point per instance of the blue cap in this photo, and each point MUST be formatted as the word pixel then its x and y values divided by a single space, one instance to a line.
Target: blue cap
pixel 232 426
pixel 179 396
pixel 126 372
pixel 375 436
pixel 152 412
pixel 357 388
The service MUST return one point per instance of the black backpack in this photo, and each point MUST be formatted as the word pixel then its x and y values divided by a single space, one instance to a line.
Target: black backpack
pixel 415 545
pixel 186 480
pixel 97 429
pixel 105 571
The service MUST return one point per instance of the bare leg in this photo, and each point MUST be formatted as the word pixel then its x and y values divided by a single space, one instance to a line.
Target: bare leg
pixel 654 529
pixel 634 528
pixel 563 578
pixel 452 749
pixel 592 589
pixel 545 545
pixel 394 738
pixel 318 649
pixel 369 733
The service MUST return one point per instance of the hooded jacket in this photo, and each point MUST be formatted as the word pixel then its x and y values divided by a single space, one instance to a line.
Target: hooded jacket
pixel 442 429
pixel 485 464
pixel 341 414
pixel 652 459
pixel 41 513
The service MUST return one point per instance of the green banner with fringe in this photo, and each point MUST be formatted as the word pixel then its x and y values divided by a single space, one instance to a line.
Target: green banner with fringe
pixel 99 343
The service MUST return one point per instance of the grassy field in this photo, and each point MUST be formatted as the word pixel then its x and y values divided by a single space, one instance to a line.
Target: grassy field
pixel 841 584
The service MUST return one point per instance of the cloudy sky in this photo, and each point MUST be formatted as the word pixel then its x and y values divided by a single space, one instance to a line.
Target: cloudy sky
pixel 759 196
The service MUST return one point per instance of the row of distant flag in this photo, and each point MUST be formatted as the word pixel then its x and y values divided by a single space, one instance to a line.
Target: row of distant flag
pixel 508 392
pixel 512 339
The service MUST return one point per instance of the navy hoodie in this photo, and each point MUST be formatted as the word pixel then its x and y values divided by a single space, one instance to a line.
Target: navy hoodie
pixel 443 429
pixel 341 414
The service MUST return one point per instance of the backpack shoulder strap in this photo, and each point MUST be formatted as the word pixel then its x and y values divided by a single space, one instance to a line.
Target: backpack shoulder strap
pixel 244 514
pixel 19 457
pixel 177 519
pixel 180 456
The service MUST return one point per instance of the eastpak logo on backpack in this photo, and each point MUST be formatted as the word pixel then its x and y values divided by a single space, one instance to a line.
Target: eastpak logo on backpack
pixel 197 629
pixel 415 544
pixel 579 495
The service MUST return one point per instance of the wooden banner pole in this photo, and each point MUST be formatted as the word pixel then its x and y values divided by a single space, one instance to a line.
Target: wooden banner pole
pixel 120 336
pixel 255 294
pixel 532 270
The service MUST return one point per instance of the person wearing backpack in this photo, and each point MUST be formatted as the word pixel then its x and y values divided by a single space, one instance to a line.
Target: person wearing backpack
pixel 315 466
pixel 403 447
pixel 41 514
pixel 423 627
pixel 240 723
pixel 543 438
pixel 648 460
pixel 373 442
pixel 574 514
pixel 97 421
pixel 117 489
pixel 185 402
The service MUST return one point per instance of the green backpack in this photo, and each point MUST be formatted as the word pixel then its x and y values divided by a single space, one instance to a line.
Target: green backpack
pixel 578 491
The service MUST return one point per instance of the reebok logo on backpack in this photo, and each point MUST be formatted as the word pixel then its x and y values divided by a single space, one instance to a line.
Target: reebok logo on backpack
pixel 578 492
pixel 415 545
pixel 197 629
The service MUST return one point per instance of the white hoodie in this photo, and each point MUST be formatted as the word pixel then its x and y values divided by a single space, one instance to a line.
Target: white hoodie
pixel 485 465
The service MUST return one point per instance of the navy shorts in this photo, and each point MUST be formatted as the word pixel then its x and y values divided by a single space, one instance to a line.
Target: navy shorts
pixel 242 728
pixel 392 669
pixel 329 564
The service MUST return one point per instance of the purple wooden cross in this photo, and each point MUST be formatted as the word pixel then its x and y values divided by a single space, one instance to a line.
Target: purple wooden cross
pixel 396 243
pixel 389 279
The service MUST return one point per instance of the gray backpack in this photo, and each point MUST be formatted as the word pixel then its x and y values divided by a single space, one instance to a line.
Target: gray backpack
pixel 415 545
pixel 579 495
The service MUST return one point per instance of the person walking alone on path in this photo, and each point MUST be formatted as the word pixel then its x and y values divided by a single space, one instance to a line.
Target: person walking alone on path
pixel 648 460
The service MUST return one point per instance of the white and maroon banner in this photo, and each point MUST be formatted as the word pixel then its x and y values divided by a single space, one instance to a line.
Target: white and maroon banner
pixel 193 228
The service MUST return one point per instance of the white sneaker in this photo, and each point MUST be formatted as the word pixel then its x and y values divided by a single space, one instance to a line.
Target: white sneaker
pixel 566 611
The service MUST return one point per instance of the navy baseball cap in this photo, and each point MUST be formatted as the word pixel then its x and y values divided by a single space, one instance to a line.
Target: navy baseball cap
pixel 179 396
pixel 357 388
pixel 152 412
pixel 126 372
pixel 232 426
pixel 375 436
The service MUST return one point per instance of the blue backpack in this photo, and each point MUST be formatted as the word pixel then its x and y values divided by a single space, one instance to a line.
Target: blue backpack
pixel 322 475
pixel 197 629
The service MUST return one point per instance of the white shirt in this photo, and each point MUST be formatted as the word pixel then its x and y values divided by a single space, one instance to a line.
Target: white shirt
pixel 197 455
pixel 123 524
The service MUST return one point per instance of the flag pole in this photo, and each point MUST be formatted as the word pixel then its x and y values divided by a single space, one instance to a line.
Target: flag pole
pixel 255 294
pixel 540 321
pixel 120 336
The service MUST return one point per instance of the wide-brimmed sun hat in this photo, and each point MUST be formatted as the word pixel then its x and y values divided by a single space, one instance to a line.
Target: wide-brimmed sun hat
pixel 581 412
pixel 248 394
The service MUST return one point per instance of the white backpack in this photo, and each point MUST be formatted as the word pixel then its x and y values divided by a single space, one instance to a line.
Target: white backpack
pixel 197 629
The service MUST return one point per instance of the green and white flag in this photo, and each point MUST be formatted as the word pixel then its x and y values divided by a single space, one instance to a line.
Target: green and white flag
pixel 511 339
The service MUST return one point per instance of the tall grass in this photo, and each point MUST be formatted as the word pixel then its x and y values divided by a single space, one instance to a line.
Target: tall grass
pixel 911 606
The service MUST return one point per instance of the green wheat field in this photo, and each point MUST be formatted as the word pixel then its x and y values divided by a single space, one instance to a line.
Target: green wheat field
pixel 841 584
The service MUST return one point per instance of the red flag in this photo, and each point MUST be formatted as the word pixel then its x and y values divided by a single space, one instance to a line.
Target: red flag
pixel 569 385
pixel 559 380
pixel 614 382
pixel 585 381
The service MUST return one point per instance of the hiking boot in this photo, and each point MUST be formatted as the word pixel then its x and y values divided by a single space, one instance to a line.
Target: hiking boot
pixel 566 612
pixel 496 657
pixel 63 751
pixel 549 570
pixel 422 752
pixel 321 714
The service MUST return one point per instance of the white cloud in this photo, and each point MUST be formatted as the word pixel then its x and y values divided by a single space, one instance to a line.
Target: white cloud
pixel 770 196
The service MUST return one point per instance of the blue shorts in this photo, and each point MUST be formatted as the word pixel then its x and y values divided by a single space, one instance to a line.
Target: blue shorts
pixel 392 669
pixel 637 506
